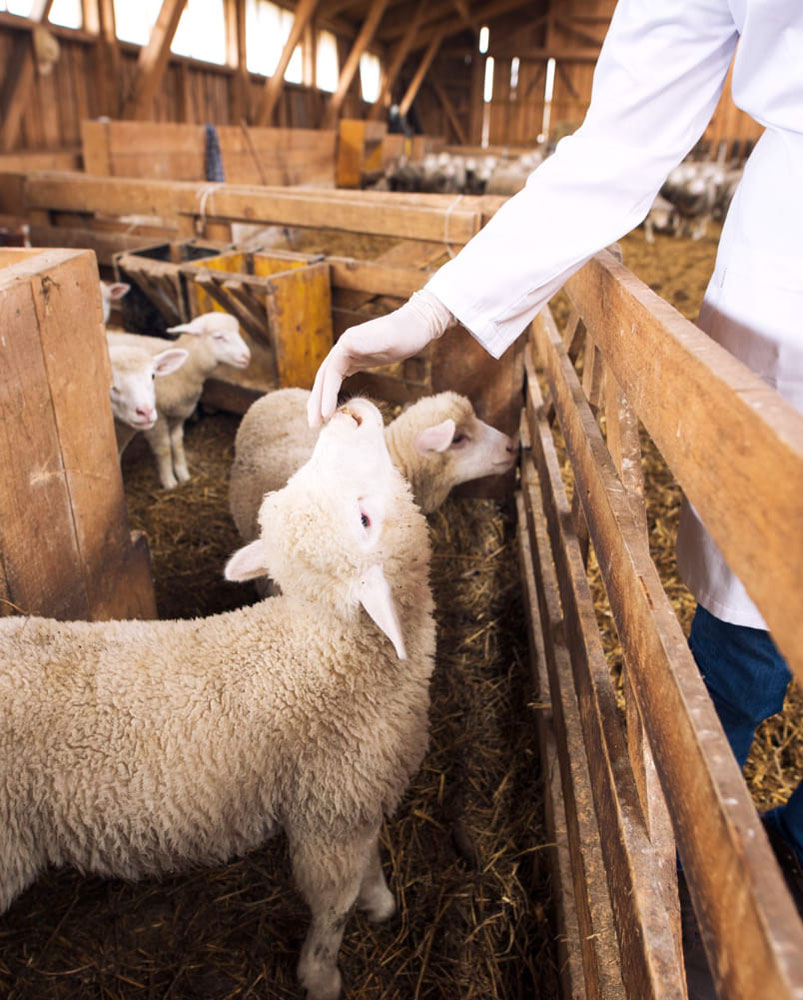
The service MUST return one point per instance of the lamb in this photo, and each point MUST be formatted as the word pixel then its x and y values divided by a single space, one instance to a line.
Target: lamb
pixel 209 340
pixel 437 443
pixel 112 292
pixel 132 392
pixel 135 748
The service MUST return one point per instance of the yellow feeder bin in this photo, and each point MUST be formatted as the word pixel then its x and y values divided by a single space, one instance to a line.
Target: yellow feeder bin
pixel 283 303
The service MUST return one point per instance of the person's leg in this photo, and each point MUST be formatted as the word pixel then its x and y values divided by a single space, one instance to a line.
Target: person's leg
pixel 745 675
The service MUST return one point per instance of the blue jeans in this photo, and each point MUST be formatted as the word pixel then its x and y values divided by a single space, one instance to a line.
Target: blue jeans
pixel 747 679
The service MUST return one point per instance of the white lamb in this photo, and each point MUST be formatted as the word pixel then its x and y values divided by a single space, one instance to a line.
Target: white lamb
pixel 437 443
pixel 112 292
pixel 137 748
pixel 132 392
pixel 209 340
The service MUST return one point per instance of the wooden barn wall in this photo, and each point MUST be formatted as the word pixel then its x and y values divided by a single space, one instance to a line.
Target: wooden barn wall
pixel 191 92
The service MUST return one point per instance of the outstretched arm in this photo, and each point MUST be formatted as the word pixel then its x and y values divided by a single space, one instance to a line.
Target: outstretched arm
pixel 658 79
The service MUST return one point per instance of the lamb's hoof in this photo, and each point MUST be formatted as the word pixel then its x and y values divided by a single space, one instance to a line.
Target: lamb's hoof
pixel 320 982
pixel 169 483
pixel 381 908
pixel 182 475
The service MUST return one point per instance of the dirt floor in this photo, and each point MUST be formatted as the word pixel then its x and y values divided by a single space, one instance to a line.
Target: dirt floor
pixel 466 854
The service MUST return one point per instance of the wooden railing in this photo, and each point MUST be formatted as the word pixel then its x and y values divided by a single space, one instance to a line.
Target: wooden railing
pixel 622 790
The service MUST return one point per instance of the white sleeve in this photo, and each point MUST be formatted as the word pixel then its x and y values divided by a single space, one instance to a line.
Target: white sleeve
pixel 657 81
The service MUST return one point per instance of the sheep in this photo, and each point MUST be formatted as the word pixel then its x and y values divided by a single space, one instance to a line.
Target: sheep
pixel 662 218
pixel 112 292
pixel 132 391
pixel 210 339
pixel 437 443
pixel 137 748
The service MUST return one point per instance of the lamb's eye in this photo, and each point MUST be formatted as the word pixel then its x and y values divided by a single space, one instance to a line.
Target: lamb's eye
pixel 460 438
pixel 365 520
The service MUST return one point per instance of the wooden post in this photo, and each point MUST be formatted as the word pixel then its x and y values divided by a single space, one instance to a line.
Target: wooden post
pixel 421 72
pixel 275 84
pixel 18 84
pixel 236 57
pixel 152 60
pixel 401 53
pixel 66 547
pixel 361 43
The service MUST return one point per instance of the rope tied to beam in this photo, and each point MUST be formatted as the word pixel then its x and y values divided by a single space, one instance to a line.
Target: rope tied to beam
pixel 204 195
pixel 449 211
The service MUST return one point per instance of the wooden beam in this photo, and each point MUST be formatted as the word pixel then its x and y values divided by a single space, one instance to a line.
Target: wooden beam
pixel 462 9
pixel 401 53
pixel 152 61
pixel 361 43
pixel 237 57
pixel 448 107
pixel 566 25
pixel 90 15
pixel 17 87
pixel 421 72
pixel 275 83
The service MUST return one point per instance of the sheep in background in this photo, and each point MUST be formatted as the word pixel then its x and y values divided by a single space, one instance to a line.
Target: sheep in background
pixel 209 340
pixel 136 748
pixel 437 443
pixel 662 218
pixel 112 292
pixel 132 393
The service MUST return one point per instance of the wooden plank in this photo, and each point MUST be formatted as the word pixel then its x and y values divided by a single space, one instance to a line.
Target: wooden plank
pixel 66 547
pixel 651 965
pixel 702 406
pixel 601 975
pixel 361 43
pixel 275 83
pixel 428 217
pixel 300 320
pixel 570 944
pixel 378 279
pixel 152 60
pixel 755 937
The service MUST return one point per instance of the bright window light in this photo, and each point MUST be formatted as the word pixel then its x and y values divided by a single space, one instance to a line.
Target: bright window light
pixel 327 69
pixel 550 80
pixel 135 21
pixel 267 28
pixel 488 91
pixel 67 13
pixel 201 32
pixel 485 38
pixel 22 8
pixel 514 73
pixel 370 72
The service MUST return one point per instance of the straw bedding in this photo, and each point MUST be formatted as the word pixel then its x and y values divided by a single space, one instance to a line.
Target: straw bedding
pixel 466 853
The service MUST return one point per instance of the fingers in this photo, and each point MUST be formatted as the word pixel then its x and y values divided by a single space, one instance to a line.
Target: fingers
pixel 323 395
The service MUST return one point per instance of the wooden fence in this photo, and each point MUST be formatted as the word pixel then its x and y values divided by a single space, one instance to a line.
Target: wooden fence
pixel 625 792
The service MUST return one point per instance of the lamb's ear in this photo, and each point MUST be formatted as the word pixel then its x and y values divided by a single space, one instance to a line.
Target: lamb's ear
pixel 377 600
pixel 196 326
pixel 117 289
pixel 168 361
pixel 247 563
pixel 437 438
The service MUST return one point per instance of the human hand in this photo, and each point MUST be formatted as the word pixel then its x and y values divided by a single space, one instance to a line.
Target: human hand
pixel 380 341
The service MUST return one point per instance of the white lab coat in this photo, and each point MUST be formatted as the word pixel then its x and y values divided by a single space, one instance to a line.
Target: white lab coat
pixel 658 79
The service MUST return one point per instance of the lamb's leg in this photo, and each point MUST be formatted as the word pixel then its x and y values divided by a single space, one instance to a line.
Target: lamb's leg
pixel 159 440
pixel 329 875
pixel 374 897
pixel 177 448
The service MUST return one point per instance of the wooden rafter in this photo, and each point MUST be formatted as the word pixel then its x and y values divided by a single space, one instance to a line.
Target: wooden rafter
pixel 461 6
pixel 539 54
pixel 361 43
pixel 152 60
pixel 401 53
pixel 584 36
pixel 448 107
pixel 18 83
pixel 275 83
pixel 451 26
pixel 421 72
